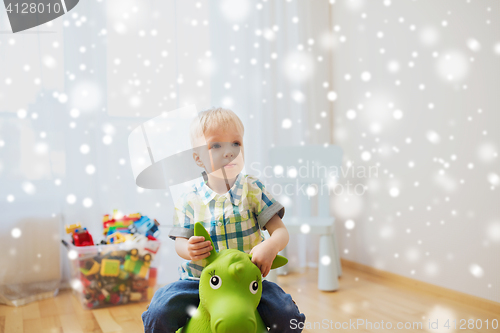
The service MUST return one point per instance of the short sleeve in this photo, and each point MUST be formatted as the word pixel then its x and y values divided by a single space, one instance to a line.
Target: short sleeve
pixel 183 220
pixel 262 202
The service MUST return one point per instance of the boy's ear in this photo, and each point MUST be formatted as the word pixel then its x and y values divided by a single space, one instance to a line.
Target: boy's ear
pixel 197 159
pixel 199 230
pixel 277 262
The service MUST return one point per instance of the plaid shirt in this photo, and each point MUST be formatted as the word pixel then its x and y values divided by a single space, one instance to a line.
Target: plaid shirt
pixel 233 219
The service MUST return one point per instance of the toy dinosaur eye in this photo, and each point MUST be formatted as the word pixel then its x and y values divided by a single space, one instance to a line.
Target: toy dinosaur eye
pixel 215 282
pixel 254 286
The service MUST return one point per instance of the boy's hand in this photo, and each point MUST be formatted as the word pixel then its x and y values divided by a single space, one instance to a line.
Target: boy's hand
pixel 198 248
pixel 263 256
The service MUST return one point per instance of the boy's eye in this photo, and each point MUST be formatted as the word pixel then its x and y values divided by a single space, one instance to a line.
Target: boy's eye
pixel 217 145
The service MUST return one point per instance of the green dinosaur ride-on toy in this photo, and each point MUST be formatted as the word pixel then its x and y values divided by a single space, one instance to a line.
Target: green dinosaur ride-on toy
pixel 230 291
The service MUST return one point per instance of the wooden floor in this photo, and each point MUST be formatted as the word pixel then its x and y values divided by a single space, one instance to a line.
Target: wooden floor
pixel 361 297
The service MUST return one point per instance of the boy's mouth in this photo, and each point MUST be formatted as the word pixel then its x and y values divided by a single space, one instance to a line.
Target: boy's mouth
pixel 230 165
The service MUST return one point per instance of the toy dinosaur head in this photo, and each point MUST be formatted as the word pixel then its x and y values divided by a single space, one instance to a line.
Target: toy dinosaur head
pixel 231 287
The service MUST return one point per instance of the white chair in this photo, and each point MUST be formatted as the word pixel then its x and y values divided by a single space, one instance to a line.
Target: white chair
pixel 313 164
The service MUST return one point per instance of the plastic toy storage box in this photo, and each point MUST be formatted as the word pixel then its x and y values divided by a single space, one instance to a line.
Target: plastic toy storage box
pixel 107 275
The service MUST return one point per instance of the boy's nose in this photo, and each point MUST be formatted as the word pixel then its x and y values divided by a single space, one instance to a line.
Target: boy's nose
pixel 231 152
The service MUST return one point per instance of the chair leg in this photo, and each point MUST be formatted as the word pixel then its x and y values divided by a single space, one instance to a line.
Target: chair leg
pixel 337 254
pixel 327 267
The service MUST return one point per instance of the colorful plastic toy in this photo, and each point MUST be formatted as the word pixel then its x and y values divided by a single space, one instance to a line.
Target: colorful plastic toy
pixel 136 265
pixel 91 268
pixel 71 228
pixel 117 238
pixel 120 228
pixel 110 267
pixel 118 222
pixel 230 291
pixel 145 226
pixel 111 275
pixel 81 237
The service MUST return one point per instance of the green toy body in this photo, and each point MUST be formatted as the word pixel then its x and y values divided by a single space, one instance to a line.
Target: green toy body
pixel 230 291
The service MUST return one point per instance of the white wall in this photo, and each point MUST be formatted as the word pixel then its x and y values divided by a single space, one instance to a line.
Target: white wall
pixel 139 61
pixel 441 155
pixel 71 92
pixel 86 79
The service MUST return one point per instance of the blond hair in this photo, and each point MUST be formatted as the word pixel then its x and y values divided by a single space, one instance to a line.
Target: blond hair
pixel 214 119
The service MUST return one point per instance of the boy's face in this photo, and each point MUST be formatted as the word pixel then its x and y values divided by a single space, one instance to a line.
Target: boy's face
pixel 224 152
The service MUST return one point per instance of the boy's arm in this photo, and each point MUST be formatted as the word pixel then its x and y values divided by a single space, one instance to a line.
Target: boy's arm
pixel 181 247
pixel 279 235
pixel 194 248
pixel 263 254
pixel 269 213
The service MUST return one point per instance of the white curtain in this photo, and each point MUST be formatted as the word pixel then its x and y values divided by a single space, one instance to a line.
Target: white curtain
pixel 74 88
pixel 278 63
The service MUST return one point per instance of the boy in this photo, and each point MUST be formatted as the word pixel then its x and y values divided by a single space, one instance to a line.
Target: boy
pixel 233 207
